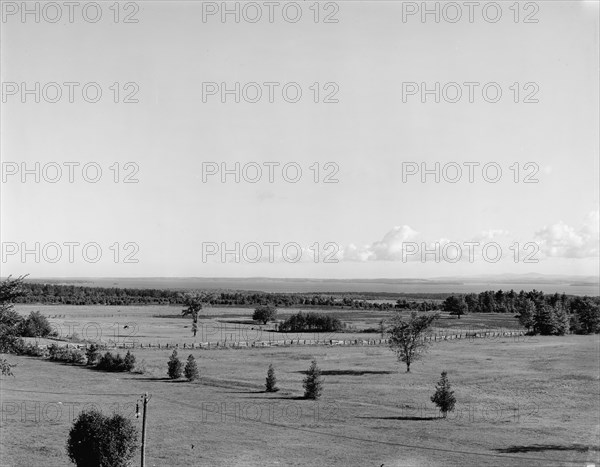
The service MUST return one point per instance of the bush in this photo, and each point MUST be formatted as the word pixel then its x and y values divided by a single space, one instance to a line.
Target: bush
pixel 271 383
pixel 317 322
pixel 140 367
pixel 174 366
pixel 265 313
pixel 36 325
pixel 65 354
pixel 115 363
pixel 313 383
pixel 99 440
pixel 191 369
pixel 444 395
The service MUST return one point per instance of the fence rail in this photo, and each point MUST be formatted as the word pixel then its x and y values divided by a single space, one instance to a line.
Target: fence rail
pixel 283 342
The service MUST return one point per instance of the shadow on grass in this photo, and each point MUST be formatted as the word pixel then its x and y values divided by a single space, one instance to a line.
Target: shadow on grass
pixel 350 372
pixel 154 378
pixel 404 418
pixel 248 392
pixel 548 447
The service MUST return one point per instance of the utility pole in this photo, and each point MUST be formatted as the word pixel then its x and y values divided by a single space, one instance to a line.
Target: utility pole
pixel 145 408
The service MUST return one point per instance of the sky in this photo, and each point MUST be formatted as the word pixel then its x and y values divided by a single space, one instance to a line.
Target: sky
pixel 161 207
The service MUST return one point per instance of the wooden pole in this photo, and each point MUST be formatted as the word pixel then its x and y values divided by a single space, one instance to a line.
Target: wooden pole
pixel 144 429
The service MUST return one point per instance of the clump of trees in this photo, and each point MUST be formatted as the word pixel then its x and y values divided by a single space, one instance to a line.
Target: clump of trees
pixel 311 322
pixel 543 318
pixel 174 366
pixel 65 354
pixel 271 382
pixel 313 382
pixel 116 363
pixel 455 305
pixel 264 313
pixel 444 395
pixel 407 336
pixel 99 440
pixel 191 369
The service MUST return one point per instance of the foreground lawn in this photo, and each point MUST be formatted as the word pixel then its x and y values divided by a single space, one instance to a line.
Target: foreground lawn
pixel 532 402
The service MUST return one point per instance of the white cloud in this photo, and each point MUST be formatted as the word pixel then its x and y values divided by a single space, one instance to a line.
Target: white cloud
pixel 562 240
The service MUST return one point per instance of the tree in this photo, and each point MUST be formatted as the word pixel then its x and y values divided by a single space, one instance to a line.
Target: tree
pixel 36 325
pixel 407 337
pixel 585 316
pixel 455 305
pixel 96 440
pixel 382 328
pixel 11 322
pixel 129 361
pixel 191 369
pixel 6 368
pixel 92 354
pixel 313 382
pixel 174 366
pixel 271 384
pixel 265 313
pixel 526 309
pixel 193 303
pixel 444 395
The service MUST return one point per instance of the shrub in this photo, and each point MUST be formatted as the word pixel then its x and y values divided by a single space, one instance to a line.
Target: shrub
pixel 92 353
pixel 140 367
pixel 191 369
pixel 313 383
pixel 271 383
pixel 444 395
pixel 99 440
pixel 174 366
pixel 110 362
pixel 36 325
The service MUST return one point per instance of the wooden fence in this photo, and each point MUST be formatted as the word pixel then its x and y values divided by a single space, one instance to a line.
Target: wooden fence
pixel 284 342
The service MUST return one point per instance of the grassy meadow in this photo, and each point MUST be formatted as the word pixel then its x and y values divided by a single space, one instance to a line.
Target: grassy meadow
pixel 520 402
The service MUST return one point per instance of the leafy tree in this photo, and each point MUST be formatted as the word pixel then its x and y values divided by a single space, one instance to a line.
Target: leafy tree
pixel 175 366
pixel 585 316
pixel 526 309
pixel 455 305
pixel 6 368
pixel 271 384
pixel 444 395
pixel 129 362
pixel 193 302
pixel 11 322
pixel 36 325
pixel 92 354
pixel 313 382
pixel 191 369
pixel 265 313
pixel 96 440
pixel 407 337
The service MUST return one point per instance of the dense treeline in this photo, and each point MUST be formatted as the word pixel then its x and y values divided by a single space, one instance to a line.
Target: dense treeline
pixel 541 313
pixel 51 294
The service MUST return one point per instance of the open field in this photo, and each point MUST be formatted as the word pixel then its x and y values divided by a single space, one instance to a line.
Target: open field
pixel 164 324
pixel 519 403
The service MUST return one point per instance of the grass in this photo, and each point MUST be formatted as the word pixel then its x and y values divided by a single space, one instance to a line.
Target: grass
pixel 162 324
pixel 530 402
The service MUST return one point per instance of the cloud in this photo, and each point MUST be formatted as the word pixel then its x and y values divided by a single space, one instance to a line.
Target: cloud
pixel 563 241
pixel 389 248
